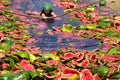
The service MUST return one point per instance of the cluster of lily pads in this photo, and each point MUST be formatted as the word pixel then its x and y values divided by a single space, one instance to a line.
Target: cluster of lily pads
pixel 21 62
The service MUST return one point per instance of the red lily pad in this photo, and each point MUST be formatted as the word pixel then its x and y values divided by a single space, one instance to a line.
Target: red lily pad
pixel 72 5
pixel 86 75
pixel 68 55
pixel 79 56
pixel 84 63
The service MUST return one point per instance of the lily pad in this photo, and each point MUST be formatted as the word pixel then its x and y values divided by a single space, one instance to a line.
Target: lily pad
pixel 23 54
pixel 33 74
pixel 32 58
pixel 113 51
pixel 66 29
pixel 100 70
pixel 21 75
pixel 102 23
pixel 12 62
pixel 91 26
pixel 48 56
pixel 6 77
pixel 102 3
pixel 80 27
pixel 74 77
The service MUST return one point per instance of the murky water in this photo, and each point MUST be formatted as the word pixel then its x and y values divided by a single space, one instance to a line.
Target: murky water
pixel 52 42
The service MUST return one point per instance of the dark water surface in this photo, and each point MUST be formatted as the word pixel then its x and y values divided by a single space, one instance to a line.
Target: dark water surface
pixel 52 42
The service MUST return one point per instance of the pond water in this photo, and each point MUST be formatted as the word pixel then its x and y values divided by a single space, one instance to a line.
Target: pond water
pixel 53 42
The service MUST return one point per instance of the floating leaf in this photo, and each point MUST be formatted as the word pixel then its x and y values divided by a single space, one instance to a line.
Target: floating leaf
pixel 102 23
pixel 21 75
pixel 48 56
pixel 17 19
pixel 4 28
pixel 102 3
pixel 110 32
pixel 117 34
pixel 90 9
pixel 12 62
pixel 80 27
pixel 113 51
pixel 33 74
pixel 74 77
pixel 8 41
pixel 117 17
pixel 23 54
pixel 67 10
pixel 6 77
pixel 100 70
pixel 5 46
pixel 66 29
pixel 90 26
pixel 32 58
pixel 50 68
pixel 75 0
pixel 87 15
pixel 5 72
pixel 116 74
pixel 76 19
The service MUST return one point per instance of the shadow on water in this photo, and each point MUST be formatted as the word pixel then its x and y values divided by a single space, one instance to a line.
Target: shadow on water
pixel 51 42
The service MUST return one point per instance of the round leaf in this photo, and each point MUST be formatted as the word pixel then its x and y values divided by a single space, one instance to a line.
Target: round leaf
pixel 21 75
pixel 100 70
pixel 23 54
pixel 32 58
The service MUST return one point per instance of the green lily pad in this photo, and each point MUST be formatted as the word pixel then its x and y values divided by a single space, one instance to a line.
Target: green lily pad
pixel 12 62
pixel 75 0
pixel 102 3
pixel 5 47
pixel 89 9
pixel 100 70
pixel 50 68
pixel 32 58
pixel 116 74
pixel 102 23
pixel 113 51
pixel 74 77
pixel 5 72
pixel 81 27
pixel 21 75
pixel 8 41
pixel 66 29
pixel 33 74
pixel 48 56
pixel 91 26
pixel 76 19
pixel 3 28
pixel 110 32
pixel 23 54
pixel 6 77
pixel 117 34
pixel 87 15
